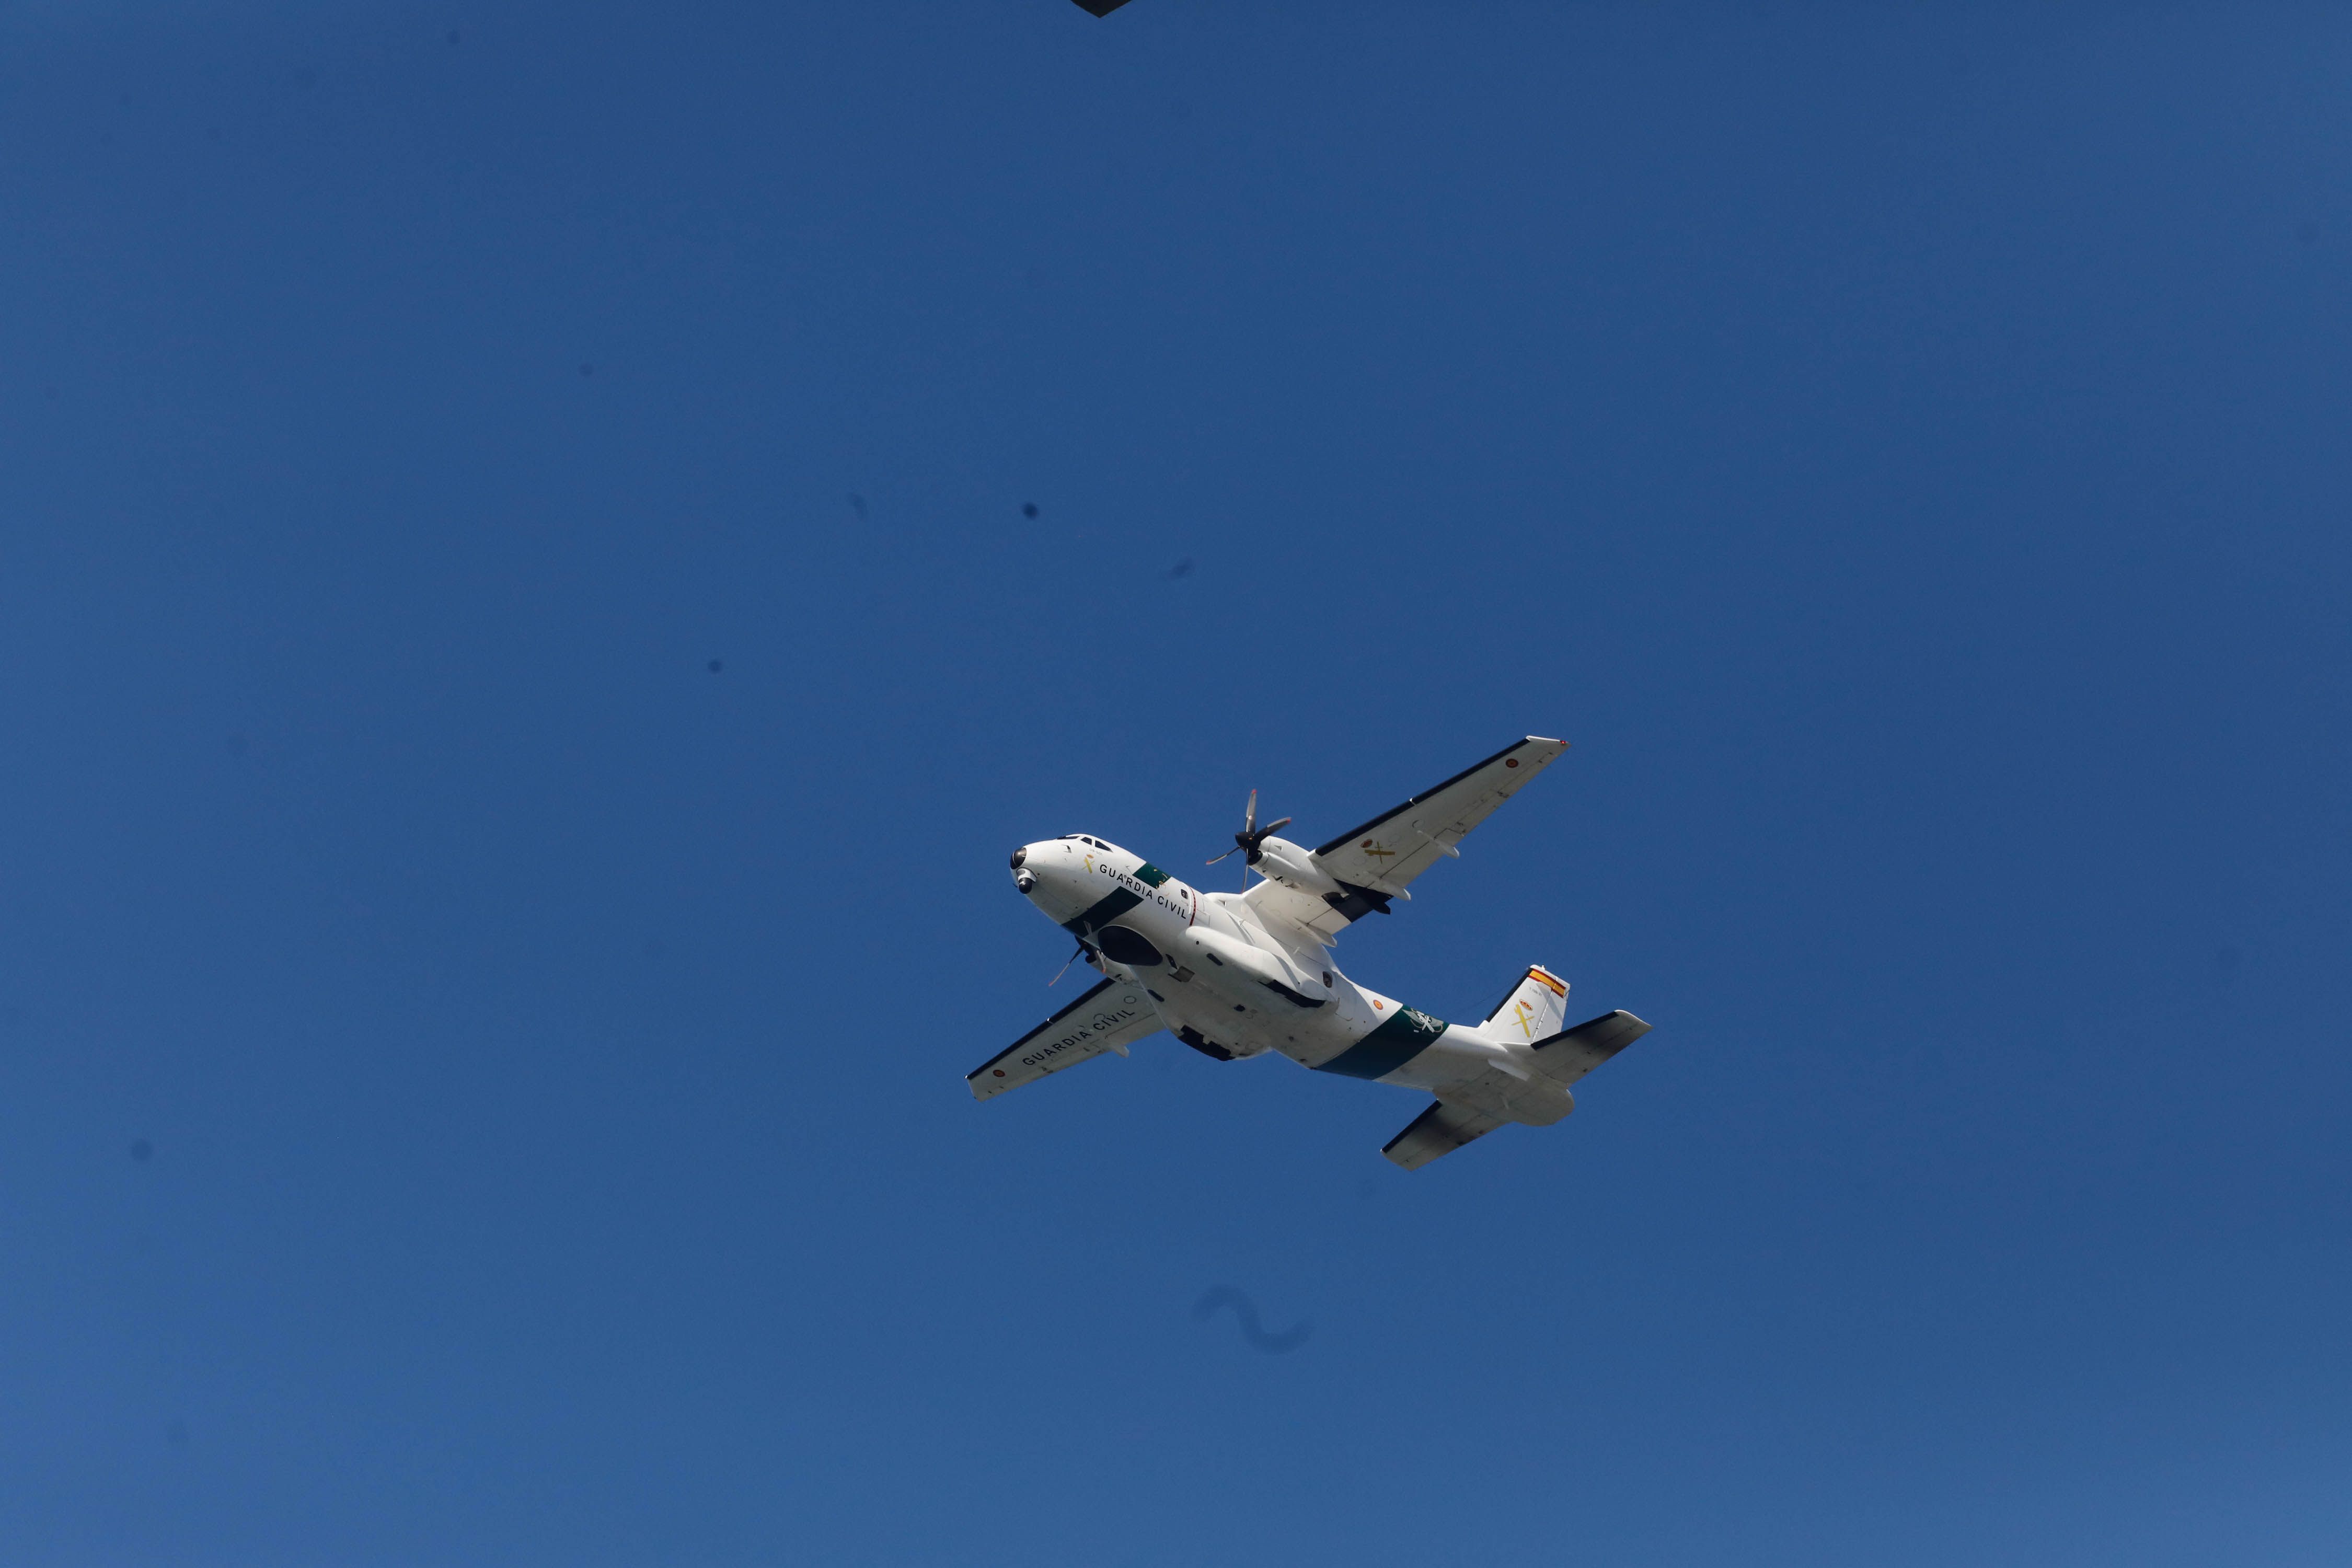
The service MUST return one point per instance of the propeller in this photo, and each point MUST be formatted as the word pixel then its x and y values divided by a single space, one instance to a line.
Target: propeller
pixel 1066 966
pixel 1250 840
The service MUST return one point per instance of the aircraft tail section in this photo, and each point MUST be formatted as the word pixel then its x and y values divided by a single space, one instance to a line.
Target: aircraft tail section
pixel 1534 1010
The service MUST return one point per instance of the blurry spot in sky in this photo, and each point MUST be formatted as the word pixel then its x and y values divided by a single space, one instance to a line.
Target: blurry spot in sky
pixel 715 667
pixel 238 746
pixel 142 1150
pixel 453 35
pixel 1028 509
pixel 857 505
pixel 587 369
pixel 1245 1313
pixel 1181 569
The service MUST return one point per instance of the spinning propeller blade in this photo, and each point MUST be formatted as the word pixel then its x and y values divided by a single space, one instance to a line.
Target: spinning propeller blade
pixel 1252 838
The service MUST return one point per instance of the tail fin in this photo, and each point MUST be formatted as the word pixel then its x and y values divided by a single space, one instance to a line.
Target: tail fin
pixel 1534 1010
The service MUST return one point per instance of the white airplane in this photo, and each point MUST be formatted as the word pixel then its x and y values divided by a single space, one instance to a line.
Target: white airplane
pixel 1239 974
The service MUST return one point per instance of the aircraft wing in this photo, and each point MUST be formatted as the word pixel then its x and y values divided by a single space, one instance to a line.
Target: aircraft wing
pixel 1376 860
pixel 1110 1017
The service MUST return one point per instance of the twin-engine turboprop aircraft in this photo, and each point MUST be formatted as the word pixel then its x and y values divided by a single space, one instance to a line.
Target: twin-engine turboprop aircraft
pixel 1239 974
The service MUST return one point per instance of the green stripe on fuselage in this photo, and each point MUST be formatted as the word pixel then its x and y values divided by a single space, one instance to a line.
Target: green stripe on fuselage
pixel 1396 1042
pixel 1101 914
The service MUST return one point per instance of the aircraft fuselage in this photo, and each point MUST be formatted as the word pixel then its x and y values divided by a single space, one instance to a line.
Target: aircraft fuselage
pixel 1232 984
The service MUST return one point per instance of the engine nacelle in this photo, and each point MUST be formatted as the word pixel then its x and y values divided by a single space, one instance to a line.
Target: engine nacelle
pixel 1280 860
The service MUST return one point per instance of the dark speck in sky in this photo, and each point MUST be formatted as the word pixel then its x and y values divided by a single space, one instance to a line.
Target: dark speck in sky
pixel 142 1151
pixel 453 35
pixel 715 666
pixel 587 369
pixel 1245 1312
pixel 857 505
pixel 1029 509
pixel 1181 569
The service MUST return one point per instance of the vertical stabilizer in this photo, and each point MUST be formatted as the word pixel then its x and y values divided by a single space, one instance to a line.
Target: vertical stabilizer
pixel 1534 1010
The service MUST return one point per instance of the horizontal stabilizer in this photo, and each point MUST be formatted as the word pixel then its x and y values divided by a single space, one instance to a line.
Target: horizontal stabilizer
pixel 1567 1056
pixel 1110 1017
pixel 1439 1129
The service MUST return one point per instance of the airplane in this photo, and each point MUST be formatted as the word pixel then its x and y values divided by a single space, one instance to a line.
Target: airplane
pixel 1243 975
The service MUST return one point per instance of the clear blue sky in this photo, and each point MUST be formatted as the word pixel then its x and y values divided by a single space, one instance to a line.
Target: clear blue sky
pixel 478 1086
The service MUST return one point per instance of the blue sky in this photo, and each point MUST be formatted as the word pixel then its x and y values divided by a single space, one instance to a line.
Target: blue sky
pixel 478 1084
